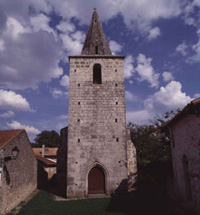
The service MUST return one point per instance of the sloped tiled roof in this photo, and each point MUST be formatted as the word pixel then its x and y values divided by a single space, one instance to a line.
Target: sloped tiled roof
pixel 7 135
pixel 46 161
pixel 48 151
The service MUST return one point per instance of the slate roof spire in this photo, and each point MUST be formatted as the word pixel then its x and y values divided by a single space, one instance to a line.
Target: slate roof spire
pixel 95 41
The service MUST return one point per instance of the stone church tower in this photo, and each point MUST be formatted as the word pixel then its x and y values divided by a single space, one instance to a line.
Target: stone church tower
pixel 100 154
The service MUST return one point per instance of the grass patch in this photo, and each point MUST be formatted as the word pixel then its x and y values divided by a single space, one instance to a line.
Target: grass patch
pixel 43 203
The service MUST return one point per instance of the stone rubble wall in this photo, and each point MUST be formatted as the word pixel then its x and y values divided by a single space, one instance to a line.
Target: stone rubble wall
pixel 19 176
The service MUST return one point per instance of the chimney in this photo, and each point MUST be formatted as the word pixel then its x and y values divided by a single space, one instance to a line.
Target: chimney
pixel 43 150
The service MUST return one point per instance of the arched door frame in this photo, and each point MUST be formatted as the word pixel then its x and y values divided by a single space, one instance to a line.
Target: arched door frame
pixel 105 171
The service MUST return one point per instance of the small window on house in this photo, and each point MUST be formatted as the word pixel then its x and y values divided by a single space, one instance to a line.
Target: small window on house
pixel 115 85
pixel 78 85
pixel 79 140
pixel 116 70
pixel 117 139
pixel 78 120
pixel 75 70
pixel 79 103
pixel 116 103
pixel 115 120
pixel 96 50
pixel 97 74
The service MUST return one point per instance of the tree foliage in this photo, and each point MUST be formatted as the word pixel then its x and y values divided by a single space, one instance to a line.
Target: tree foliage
pixel 151 144
pixel 47 138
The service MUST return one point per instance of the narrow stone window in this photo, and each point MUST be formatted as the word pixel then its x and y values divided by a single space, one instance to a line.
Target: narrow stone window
pixel 117 139
pixel 115 85
pixel 75 70
pixel 78 120
pixel 116 103
pixel 79 140
pixel 96 50
pixel 115 120
pixel 116 70
pixel 78 85
pixel 79 103
pixel 97 74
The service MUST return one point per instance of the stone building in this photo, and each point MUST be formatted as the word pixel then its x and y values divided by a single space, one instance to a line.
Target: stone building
pixel 46 167
pixel 184 131
pixel 18 174
pixel 99 151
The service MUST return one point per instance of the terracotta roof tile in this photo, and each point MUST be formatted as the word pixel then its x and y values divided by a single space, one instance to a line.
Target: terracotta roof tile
pixel 46 161
pixel 7 135
pixel 48 151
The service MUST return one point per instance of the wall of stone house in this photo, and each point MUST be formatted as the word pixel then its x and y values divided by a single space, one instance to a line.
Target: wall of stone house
pixel 92 130
pixel 186 141
pixel 20 175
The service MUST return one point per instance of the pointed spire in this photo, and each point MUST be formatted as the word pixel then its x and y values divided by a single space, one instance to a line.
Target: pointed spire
pixel 95 41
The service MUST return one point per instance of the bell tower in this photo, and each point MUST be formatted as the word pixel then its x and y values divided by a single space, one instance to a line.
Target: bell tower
pixel 97 158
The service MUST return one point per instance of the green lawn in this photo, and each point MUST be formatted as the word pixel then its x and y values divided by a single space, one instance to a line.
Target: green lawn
pixel 43 203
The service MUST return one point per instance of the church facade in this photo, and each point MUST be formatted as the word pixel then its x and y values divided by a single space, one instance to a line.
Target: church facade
pixel 99 152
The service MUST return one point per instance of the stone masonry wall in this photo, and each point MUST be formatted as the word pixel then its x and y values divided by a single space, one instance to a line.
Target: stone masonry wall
pixel 186 137
pixel 19 176
pixel 94 136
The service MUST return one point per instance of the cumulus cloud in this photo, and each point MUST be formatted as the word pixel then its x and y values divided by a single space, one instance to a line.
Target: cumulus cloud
pixel 182 49
pixel 167 76
pixel 154 33
pixel 196 48
pixel 18 125
pixel 73 43
pixel 128 67
pixel 115 47
pixel 7 114
pixel 167 98
pixel 146 71
pixel 65 81
pixel 41 22
pixel 28 57
pixel 197 95
pixel 58 93
pixel 12 101
pixel 129 96
pixel 66 27
pixel 138 117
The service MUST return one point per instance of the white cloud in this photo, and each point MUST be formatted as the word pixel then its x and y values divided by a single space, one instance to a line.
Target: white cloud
pixel 196 48
pixel 138 117
pixel 41 22
pixel 129 96
pixel 115 47
pixel 182 48
pixel 18 125
pixel 14 28
pixel 58 93
pixel 28 57
pixel 11 100
pixel 154 33
pixel 65 81
pixel 73 43
pixel 66 26
pixel 146 71
pixel 7 114
pixel 128 67
pixel 167 76
pixel 197 95
pixel 167 98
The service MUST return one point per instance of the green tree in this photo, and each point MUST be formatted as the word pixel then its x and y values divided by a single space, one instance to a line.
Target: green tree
pixel 47 138
pixel 151 144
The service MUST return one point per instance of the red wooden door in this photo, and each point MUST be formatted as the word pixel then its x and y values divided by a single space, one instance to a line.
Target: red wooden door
pixel 96 181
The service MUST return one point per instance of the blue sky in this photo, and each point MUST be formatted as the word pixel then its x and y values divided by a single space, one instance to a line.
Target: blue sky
pixel 160 40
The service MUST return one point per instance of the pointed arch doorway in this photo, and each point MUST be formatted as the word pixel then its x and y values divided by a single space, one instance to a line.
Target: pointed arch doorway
pixel 96 181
